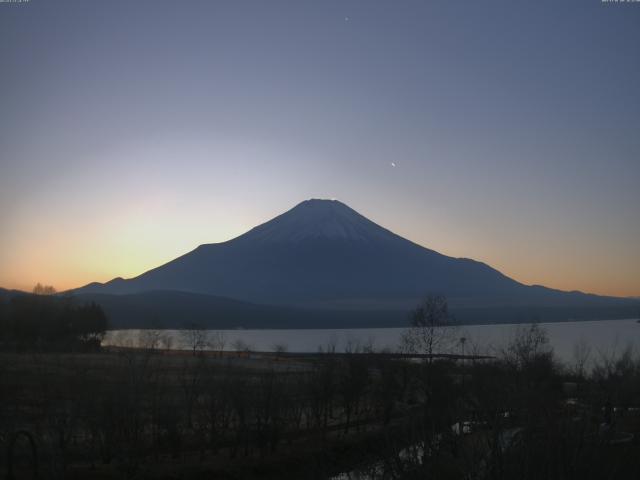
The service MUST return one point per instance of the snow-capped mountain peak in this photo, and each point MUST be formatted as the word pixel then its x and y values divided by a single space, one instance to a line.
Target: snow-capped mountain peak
pixel 318 219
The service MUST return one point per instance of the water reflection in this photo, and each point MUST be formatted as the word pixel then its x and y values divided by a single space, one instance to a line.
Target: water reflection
pixel 568 339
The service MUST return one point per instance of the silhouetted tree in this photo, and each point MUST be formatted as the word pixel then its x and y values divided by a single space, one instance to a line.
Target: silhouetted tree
pixel 195 338
pixel 430 328
pixel 40 289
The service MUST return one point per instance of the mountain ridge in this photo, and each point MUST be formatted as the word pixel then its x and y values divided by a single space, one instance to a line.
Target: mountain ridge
pixel 322 253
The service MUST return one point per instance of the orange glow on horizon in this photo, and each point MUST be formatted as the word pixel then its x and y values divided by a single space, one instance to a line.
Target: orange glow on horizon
pixel 76 259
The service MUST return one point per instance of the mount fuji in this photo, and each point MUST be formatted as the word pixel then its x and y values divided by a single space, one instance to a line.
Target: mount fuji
pixel 322 254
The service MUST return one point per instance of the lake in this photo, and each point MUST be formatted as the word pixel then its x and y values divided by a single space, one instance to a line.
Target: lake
pixel 604 337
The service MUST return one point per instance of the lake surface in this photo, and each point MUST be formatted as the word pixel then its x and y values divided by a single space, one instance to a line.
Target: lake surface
pixel 603 337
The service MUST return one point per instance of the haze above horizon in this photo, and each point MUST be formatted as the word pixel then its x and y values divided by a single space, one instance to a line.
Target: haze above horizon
pixel 132 132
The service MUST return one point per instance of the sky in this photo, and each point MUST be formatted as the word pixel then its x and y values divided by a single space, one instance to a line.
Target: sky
pixel 503 131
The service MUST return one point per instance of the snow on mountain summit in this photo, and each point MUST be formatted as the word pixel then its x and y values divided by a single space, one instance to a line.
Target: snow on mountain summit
pixel 316 219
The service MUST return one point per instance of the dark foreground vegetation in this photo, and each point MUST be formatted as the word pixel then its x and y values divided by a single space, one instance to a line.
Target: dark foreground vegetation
pixel 155 414
pixel 44 321
pixel 160 414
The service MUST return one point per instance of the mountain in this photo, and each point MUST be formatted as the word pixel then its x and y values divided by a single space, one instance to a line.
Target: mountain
pixel 173 309
pixel 318 253
pixel 323 254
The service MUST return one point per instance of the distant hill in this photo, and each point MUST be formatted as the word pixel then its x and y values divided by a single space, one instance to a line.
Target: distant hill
pixel 170 309
pixel 323 254
pixel 6 294
pixel 175 309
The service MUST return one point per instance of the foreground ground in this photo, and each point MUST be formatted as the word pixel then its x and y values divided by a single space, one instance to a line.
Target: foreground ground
pixel 151 414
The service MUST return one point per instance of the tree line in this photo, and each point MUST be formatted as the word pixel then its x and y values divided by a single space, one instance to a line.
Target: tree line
pixel 44 320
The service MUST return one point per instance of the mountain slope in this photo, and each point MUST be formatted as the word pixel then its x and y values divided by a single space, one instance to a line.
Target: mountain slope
pixel 322 253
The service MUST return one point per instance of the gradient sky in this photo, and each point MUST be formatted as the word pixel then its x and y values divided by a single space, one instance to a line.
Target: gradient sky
pixel 133 131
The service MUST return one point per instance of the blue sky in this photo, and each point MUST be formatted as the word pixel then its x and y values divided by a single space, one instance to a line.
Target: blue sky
pixel 130 132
